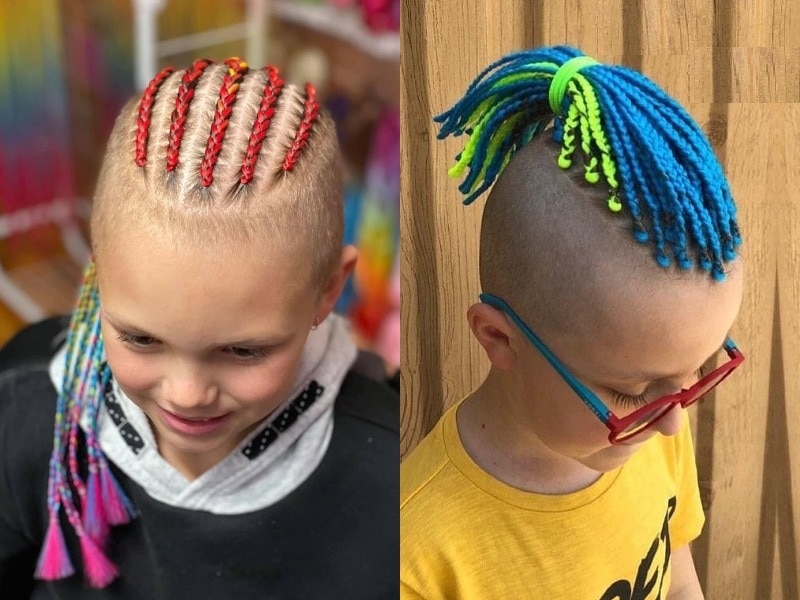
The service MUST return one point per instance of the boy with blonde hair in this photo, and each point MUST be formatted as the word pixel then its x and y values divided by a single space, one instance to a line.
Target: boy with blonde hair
pixel 212 439
pixel 608 287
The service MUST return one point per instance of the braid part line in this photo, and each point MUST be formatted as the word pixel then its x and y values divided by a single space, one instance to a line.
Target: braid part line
pixel 266 111
pixel 145 110
pixel 227 96
pixel 189 82
pixel 310 113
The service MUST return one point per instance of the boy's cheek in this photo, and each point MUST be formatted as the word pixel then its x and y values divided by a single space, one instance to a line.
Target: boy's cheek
pixel 133 372
pixel 262 383
pixel 566 422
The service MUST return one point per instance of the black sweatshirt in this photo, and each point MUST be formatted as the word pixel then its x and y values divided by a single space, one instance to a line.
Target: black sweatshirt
pixel 336 536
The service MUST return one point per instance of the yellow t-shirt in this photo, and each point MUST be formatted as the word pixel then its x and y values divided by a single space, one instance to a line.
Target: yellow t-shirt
pixel 466 535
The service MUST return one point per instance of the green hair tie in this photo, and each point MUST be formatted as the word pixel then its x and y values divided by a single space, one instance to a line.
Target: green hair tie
pixel 561 79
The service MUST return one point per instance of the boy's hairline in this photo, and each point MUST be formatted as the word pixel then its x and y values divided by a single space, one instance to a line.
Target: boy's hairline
pixel 638 257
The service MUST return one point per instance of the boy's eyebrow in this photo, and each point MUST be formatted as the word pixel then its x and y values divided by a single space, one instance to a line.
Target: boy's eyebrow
pixel 650 376
pixel 120 324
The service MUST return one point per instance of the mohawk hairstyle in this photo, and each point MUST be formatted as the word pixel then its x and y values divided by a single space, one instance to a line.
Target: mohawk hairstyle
pixel 656 162
pixel 274 134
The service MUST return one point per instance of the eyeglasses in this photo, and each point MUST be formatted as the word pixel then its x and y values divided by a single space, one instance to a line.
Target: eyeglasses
pixel 625 428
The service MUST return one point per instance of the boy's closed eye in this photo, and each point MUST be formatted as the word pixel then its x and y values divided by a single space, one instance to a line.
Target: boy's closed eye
pixel 240 352
pixel 139 341
pixel 635 401
pixel 146 342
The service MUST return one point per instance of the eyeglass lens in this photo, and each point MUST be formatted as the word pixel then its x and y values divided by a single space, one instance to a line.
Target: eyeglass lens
pixel 649 418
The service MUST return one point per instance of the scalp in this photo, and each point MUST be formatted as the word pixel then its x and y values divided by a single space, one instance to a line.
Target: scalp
pixel 552 250
pixel 301 207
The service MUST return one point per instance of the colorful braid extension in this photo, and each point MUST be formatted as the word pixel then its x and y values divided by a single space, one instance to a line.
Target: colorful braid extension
pixel 236 71
pixel 261 125
pixel 189 82
pixel 654 159
pixel 310 112
pixel 227 96
pixel 102 501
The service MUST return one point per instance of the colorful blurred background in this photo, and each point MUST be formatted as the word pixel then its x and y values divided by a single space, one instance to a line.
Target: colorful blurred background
pixel 66 68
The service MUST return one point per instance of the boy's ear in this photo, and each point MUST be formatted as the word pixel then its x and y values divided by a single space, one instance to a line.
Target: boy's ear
pixel 493 331
pixel 335 284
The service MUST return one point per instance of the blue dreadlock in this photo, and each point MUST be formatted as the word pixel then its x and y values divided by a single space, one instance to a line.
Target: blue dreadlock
pixel 651 154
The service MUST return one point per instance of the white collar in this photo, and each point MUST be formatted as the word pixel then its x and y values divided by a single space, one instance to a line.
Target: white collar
pixel 249 478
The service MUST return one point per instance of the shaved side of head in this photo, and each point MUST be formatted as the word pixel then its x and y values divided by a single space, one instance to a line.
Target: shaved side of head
pixel 551 248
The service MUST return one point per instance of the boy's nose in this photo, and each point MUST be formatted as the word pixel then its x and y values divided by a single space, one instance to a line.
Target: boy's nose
pixel 188 392
pixel 670 423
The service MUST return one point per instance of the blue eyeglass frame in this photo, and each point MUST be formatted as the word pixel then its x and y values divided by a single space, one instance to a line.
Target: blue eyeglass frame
pixel 615 424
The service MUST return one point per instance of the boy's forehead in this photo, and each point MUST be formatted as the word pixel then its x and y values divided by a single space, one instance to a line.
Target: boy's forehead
pixel 148 275
pixel 172 230
pixel 645 330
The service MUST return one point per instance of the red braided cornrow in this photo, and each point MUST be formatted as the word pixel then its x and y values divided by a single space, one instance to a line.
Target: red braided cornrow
pixel 185 94
pixel 145 109
pixel 309 116
pixel 262 122
pixel 227 96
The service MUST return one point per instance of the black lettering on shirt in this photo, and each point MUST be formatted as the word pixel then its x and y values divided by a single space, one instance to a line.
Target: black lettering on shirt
pixel 648 574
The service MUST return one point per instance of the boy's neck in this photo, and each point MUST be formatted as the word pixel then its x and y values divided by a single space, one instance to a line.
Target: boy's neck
pixel 498 442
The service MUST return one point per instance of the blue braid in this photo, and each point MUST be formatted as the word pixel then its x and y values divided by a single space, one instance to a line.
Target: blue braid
pixel 658 165
pixel 691 149
pixel 497 118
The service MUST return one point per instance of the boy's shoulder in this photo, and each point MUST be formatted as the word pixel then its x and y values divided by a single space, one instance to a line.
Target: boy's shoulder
pixel 35 344
pixel 27 408
pixel 25 383
pixel 366 432
pixel 27 394
pixel 425 470
pixel 369 401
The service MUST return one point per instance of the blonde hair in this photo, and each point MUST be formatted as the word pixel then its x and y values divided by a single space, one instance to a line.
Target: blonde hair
pixel 218 153
pixel 186 160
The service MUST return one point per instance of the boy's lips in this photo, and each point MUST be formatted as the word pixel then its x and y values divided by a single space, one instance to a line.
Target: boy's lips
pixel 193 425
pixel 193 419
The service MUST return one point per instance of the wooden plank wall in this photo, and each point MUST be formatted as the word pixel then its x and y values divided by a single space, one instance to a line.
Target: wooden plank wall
pixel 736 66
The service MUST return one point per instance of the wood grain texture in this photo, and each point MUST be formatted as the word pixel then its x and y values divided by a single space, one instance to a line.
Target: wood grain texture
pixel 736 67
pixel 436 370
pixel 738 432
pixel 421 368
pixel 784 466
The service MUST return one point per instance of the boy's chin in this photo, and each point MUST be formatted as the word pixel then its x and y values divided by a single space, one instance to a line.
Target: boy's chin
pixel 611 457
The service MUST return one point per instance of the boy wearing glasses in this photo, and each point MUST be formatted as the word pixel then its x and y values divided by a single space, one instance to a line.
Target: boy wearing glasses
pixel 610 282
